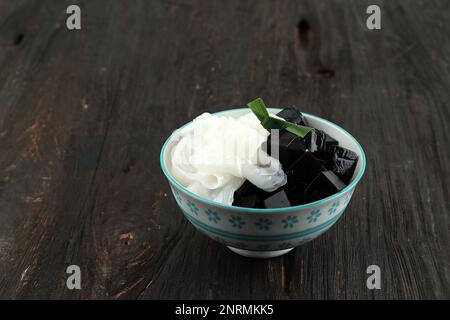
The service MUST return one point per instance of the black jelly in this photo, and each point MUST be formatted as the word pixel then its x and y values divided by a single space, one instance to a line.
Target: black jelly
pixel 315 165
pixel 295 192
pixel 246 189
pixel 290 147
pixel 319 143
pixel 292 115
pixel 277 200
pixel 315 140
pixel 330 142
pixel 250 201
pixel 326 184
pixel 343 163
pixel 305 169
pixel 246 195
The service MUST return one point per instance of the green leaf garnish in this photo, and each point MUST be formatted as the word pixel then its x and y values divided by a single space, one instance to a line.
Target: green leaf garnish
pixel 268 122
pixel 259 109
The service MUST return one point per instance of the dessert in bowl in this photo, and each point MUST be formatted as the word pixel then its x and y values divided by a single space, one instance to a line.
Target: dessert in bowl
pixel 271 222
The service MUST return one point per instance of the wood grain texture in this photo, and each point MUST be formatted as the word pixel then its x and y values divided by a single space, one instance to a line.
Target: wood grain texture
pixel 83 115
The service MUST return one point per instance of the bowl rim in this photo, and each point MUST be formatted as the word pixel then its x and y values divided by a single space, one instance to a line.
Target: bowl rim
pixel 260 210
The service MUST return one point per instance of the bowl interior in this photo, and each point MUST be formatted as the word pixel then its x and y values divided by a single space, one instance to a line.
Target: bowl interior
pixel 345 139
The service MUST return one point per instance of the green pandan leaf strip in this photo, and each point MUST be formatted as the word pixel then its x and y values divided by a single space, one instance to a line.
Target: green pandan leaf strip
pixel 259 109
pixel 301 131
pixel 268 122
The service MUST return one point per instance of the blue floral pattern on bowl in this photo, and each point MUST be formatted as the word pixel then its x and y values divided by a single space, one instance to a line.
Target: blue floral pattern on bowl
pixel 213 222
pixel 263 224
pixel 333 208
pixel 313 216
pixel 237 222
pixel 289 221
pixel 193 207
pixel 212 215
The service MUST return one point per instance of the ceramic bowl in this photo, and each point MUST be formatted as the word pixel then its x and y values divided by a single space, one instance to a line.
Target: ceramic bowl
pixel 266 233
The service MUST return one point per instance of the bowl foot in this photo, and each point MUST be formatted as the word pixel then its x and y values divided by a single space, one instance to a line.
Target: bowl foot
pixel 260 254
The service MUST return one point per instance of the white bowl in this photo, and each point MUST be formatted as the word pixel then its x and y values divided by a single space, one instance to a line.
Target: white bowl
pixel 266 233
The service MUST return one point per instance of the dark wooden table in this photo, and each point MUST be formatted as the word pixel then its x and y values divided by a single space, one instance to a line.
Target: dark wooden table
pixel 83 115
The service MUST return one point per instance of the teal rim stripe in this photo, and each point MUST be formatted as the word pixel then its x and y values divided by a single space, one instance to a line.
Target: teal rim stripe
pixel 254 210
pixel 263 238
